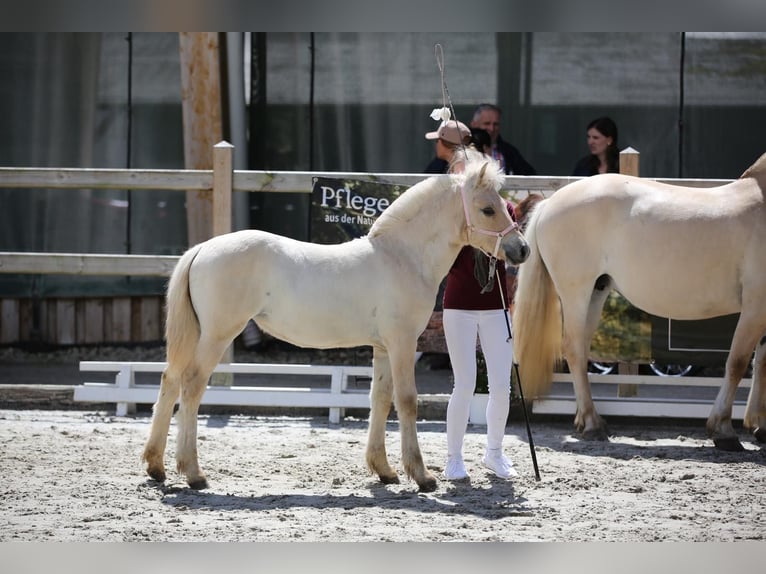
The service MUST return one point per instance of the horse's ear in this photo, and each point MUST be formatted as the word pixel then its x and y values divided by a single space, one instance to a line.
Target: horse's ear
pixel 483 169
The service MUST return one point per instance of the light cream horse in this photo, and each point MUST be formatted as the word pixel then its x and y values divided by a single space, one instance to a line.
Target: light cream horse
pixel 678 252
pixel 377 290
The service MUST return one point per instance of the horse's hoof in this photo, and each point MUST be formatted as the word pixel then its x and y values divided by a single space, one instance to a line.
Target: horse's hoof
pixel 597 434
pixel 157 474
pixel 393 479
pixel 199 484
pixel 428 485
pixel 729 444
pixel 759 434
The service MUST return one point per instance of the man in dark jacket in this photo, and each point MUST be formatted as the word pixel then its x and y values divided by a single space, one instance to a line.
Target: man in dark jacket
pixel 487 117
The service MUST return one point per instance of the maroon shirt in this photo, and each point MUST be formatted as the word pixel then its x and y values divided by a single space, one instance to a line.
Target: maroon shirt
pixel 463 290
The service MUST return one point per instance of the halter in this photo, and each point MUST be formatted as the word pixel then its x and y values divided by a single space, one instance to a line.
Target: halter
pixel 471 227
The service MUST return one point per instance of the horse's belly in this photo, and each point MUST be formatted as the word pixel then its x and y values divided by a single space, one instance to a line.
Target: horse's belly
pixel 315 332
pixel 679 299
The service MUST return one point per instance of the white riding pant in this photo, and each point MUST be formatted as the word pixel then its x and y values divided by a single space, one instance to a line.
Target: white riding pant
pixel 460 330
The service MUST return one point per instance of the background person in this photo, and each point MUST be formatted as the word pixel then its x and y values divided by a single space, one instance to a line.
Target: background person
pixel 487 117
pixel 448 137
pixel 604 156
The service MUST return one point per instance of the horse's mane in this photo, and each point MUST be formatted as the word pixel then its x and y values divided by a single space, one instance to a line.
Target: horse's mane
pixel 411 202
pixel 525 207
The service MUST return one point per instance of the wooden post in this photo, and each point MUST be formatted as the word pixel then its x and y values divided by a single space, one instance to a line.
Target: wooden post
pixel 629 162
pixel 207 214
pixel 202 121
pixel 223 155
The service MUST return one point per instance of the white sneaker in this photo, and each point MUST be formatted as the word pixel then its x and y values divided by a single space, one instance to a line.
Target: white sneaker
pixel 498 463
pixel 455 469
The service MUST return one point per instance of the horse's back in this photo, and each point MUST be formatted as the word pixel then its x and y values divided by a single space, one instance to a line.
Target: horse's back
pixel 311 295
pixel 657 242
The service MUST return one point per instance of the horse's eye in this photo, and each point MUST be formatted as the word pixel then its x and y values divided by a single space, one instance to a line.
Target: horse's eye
pixel 488 211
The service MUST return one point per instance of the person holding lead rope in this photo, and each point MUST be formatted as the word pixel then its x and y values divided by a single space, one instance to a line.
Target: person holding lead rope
pixel 473 307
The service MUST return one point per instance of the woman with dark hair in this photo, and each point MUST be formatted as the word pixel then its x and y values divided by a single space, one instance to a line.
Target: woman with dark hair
pixel 602 142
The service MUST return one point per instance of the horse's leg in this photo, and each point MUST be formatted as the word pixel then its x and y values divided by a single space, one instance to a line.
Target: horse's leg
pixel 381 395
pixel 755 411
pixel 154 450
pixel 402 360
pixel 193 387
pixel 579 326
pixel 719 426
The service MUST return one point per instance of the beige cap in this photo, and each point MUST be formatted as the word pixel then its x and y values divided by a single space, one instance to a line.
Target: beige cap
pixel 452 132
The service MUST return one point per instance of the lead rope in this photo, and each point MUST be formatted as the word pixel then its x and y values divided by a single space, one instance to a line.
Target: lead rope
pixel 518 379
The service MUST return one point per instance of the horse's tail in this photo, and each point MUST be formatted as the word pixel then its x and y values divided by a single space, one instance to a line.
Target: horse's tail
pixel 536 319
pixel 182 330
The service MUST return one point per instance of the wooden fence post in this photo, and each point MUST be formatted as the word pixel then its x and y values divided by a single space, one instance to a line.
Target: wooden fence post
pixel 629 162
pixel 223 155
pixel 202 120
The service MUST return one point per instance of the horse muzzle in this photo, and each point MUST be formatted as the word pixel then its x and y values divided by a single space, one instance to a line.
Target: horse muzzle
pixel 516 249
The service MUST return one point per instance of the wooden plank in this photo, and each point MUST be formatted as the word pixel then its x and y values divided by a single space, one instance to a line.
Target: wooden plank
pixel 149 329
pixel 650 380
pixel 635 407
pixel 26 319
pixel 47 308
pixel 9 321
pixel 87 264
pixel 93 322
pixel 79 320
pixel 336 398
pixel 254 180
pixel 242 368
pixel 229 396
pixel 133 179
pixel 65 330
pixel 118 319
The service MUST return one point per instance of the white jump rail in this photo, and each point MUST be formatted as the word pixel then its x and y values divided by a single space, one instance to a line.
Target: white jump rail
pixel 644 406
pixel 126 393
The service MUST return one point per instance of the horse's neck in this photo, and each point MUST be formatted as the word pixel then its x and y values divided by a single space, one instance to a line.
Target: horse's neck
pixel 433 236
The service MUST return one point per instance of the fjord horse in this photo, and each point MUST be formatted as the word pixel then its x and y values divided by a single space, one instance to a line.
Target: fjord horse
pixel 672 251
pixel 377 290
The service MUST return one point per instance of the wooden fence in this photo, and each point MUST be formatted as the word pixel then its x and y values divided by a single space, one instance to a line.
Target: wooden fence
pixel 123 319
pixel 140 319
pixel 69 321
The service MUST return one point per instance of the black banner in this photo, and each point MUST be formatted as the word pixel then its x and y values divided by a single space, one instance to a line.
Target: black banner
pixel 342 210
pixel 704 342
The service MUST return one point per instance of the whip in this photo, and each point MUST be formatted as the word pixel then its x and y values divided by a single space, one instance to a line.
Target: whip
pixel 518 378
